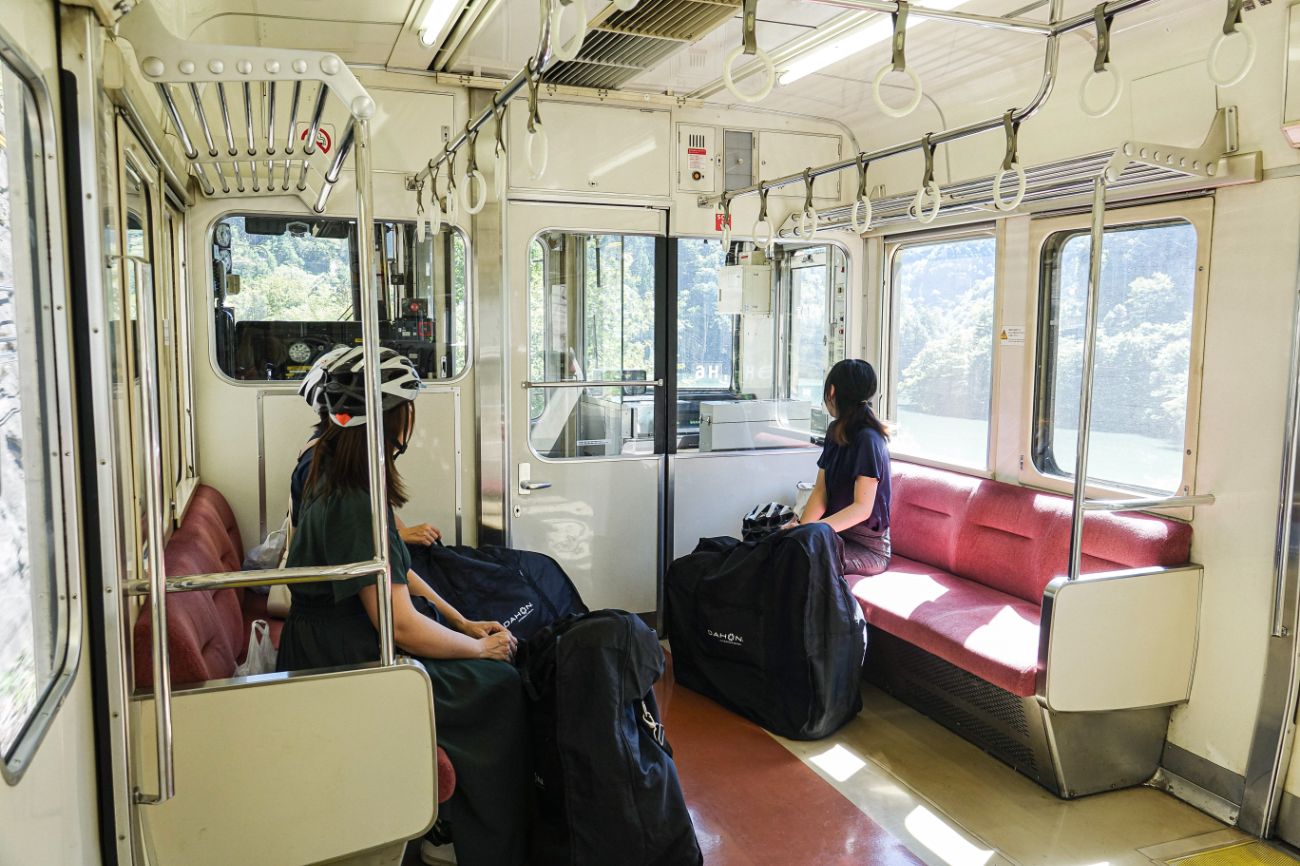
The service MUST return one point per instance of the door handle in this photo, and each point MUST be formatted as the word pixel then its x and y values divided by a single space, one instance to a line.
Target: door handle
pixel 526 483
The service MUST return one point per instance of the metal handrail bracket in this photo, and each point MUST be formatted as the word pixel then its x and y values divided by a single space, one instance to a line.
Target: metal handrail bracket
pixel 154 530
pixel 1149 502
pixel 263 577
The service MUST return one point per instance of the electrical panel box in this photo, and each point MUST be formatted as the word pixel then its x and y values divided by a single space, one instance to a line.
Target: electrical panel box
pixel 738 159
pixel 745 289
pixel 732 425
pixel 697 158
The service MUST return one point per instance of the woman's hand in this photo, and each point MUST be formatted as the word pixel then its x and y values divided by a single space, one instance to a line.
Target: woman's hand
pixel 499 646
pixel 475 628
pixel 421 533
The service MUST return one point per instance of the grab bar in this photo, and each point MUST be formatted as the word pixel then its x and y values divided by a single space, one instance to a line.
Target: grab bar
pixel 612 383
pixel 154 538
pixel 360 134
pixel 264 577
pixel 1091 300
pixel 1143 503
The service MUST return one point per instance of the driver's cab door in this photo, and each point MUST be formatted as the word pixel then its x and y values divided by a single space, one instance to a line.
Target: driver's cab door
pixel 587 470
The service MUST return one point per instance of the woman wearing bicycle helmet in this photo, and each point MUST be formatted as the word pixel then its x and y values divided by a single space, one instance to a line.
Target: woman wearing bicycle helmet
pixel 477 693
pixel 312 390
pixel 853 489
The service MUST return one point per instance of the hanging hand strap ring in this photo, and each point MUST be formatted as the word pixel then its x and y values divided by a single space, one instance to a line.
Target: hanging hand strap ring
pixel 749 48
pixel 475 183
pixel 809 214
pixel 897 63
pixel 862 200
pixel 1010 163
pixel 538 150
pixel 1101 65
pixel 1232 26
pixel 928 186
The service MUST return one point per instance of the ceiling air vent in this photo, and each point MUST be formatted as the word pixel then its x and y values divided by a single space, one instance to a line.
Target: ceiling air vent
pixel 622 45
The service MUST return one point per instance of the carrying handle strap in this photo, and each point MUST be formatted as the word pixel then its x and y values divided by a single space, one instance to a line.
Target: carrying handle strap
pixel 899 41
pixel 927 148
pixel 807 190
pixel 534 114
pixel 500 114
pixel 1102 21
pixel 1012 128
pixel 1234 16
pixel 762 202
pixel 863 164
pixel 749 25
pixel 471 145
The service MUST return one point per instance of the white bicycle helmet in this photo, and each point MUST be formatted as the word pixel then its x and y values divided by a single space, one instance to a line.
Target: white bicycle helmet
pixel 312 387
pixel 344 388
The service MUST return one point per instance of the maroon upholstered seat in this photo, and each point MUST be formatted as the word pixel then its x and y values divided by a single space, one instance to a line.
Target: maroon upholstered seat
pixel 207 631
pixel 973 556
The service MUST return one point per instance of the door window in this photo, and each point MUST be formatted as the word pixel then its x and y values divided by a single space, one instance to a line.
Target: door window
pixel 591 318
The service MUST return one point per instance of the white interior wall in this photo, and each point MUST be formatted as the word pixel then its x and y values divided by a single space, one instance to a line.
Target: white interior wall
pixel 411 113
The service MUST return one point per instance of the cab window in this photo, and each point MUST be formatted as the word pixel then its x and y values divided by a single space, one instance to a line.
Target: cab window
pixel 287 291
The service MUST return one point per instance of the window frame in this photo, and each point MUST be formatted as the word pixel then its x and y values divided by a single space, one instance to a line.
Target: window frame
pixel 50 272
pixel 785 303
pixel 1199 214
pixel 660 271
pixel 735 331
pixel 293 384
pixel 893 245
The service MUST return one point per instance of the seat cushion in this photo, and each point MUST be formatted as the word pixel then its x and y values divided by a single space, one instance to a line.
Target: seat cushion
pixel 980 629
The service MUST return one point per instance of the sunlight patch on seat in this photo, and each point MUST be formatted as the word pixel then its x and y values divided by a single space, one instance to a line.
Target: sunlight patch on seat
pixel 900 593
pixel 1001 636
pixel 838 763
pixel 943 841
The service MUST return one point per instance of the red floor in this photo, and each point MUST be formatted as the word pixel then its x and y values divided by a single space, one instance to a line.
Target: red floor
pixel 756 804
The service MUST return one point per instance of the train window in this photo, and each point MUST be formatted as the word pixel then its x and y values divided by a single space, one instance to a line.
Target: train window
pixel 34 611
pixel 706 339
pixel 1143 355
pixel 591 317
pixel 941 368
pixel 818 280
pixel 288 291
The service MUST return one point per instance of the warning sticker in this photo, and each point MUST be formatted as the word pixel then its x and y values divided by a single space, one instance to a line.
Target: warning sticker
pixel 718 221
pixel 1012 335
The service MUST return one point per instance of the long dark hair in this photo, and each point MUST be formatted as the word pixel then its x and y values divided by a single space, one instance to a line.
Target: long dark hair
pixel 339 462
pixel 855 384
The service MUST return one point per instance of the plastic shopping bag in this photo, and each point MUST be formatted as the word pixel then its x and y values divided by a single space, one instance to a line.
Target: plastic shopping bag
pixel 261 652
pixel 271 552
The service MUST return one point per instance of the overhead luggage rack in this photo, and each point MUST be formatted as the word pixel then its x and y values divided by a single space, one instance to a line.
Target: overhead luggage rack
pixel 251 120
pixel 1130 167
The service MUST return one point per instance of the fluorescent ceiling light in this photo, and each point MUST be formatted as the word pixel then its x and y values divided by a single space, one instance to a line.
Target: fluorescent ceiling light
pixel 880 30
pixel 435 19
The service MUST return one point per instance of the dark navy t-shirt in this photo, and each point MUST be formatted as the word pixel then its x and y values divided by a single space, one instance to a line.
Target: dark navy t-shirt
pixel 298 481
pixel 866 456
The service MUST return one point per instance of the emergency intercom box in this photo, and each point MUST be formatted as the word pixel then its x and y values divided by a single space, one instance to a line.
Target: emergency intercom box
pixel 733 425
pixel 697 158
pixel 745 289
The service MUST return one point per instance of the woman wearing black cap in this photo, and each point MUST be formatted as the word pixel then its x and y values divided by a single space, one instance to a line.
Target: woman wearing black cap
pixel 852 491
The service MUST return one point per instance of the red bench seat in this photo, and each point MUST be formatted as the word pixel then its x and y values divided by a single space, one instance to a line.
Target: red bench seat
pixel 972 558
pixel 207 631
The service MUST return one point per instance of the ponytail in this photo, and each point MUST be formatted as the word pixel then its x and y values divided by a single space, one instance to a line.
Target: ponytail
pixel 855 384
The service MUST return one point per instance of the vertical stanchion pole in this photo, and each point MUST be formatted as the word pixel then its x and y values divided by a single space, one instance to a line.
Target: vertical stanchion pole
pixel 374 404
pixel 1091 302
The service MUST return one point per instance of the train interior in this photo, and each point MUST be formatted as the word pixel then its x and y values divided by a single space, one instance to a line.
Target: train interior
pixel 623 243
